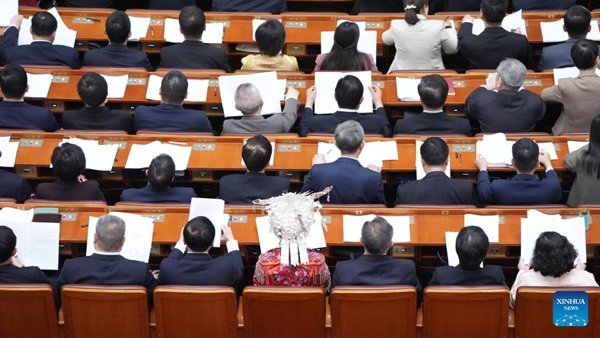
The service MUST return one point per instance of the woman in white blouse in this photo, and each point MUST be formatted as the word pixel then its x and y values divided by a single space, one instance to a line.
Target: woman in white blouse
pixel 419 42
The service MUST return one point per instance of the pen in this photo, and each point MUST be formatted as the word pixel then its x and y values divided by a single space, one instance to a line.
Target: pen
pixel 152 31
pixel 93 19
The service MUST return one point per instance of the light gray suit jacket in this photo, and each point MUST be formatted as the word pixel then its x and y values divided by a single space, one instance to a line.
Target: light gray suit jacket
pixel 276 123
pixel 585 188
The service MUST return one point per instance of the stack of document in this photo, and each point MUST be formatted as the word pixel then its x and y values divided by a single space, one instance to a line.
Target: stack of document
pixel 325 83
pixel 419 164
pixel 496 149
pixel 39 85
pixel 8 9
pixel 139 28
pixel 553 31
pixel 97 156
pixel 373 153
pixel 8 152
pixel 367 42
pixel 197 89
pixel 576 145
pixel 567 73
pixel 267 84
pixel 406 89
pixel 510 23
pixel 268 240
pixel 352 227
pixel 116 85
pixel 214 210
pixel 64 35
pixel 141 155
pixel 213 33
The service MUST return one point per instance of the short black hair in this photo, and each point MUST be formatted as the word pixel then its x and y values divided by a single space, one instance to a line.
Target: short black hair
pixel 434 151
pixel 526 154
pixel 577 21
pixel 270 37
pixel 199 234
pixel 584 54
pixel 8 242
pixel 494 11
pixel 433 90
pixel 174 87
pixel 472 245
pixel 377 236
pixel 13 81
pixel 192 22
pixel 553 255
pixel 118 27
pixel 68 162
pixel 43 24
pixel 257 153
pixel 348 92
pixel 161 172
pixel 92 89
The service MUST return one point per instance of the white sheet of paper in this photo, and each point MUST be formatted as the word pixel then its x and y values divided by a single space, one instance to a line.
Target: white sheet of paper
pixel 362 25
pixel 266 83
pixel 548 147
pixel 510 23
pixel 8 9
pixel 401 226
pixel 576 145
pixel 419 165
pixel 572 228
pixel 567 73
pixel 373 153
pixel 352 227
pixel 139 27
pixel 117 84
pixel 64 36
pixel 141 155
pixel 553 31
pixel 406 89
pixel 153 89
pixel 8 214
pixel 197 89
pixel 389 150
pixel 171 31
pixel 213 32
pixel 490 224
pixel 370 155
pixel 451 248
pixel 266 238
pixel 316 236
pixel 326 81
pixel 271 160
pixel 211 208
pixel 99 157
pixel 39 85
pixel 367 43
pixel 496 149
pixel 37 243
pixel 9 154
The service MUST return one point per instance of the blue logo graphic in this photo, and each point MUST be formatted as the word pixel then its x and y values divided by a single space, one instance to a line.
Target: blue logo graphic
pixel 570 308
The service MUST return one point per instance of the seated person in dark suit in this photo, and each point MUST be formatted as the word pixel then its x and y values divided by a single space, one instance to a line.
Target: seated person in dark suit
pixel 577 24
pixel 377 6
pixel 106 266
pixel 494 44
pixel 375 267
pixel 436 187
pixel 254 184
pixel 14 186
pixel 542 4
pixel 11 267
pixel 501 106
pixel 15 113
pixel 454 6
pixel 250 103
pixel 90 3
pixel 41 51
pixel 171 4
pixel 348 95
pixel 272 6
pixel 116 53
pixel 170 115
pixel 160 174
pixel 351 182
pixel 193 53
pixel 68 164
pixel 93 90
pixel 525 187
pixel 472 245
pixel 433 91
pixel 196 266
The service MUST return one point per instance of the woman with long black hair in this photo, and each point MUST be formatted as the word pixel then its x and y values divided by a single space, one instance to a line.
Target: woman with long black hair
pixel 585 163
pixel 344 54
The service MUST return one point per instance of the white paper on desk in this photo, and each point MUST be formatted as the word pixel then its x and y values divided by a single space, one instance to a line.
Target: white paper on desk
pixel 490 224
pixel 367 42
pixel 117 84
pixel 9 154
pixel 99 157
pixel 139 27
pixel 325 102
pixel 510 23
pixel 266 83
pixel 141 155
pixel 419 164
pixel 373 153
pixel 406 89
pixel 266 238
pixel 567 73
pixel 548 147
pixel 271 160
pixel 401 226
pixel 362 25
pixel 213 32
pixel 541 217
pixel 496 149
pixel 352 227
pixel 572 228
pixel 576 145
pixel 8 214
pixel 37 243
pixel 39 85
pixel 211 208
pixel 553 31
pixel 64 36
pixel 8 9
pixel 153 89
pixel 316 236
pixel 370 155
pixel 255 24
pixel 451 248
pixel 197 89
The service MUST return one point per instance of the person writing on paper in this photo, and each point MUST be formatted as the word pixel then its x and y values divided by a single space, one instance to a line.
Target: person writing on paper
pixel 580 96
pixel 419 42
pixel 349 96
pixel 270 39
pixel 68 164
pixel 351 182
pixel 472 245
pixel 11 267
pixel 93 91
pixel 170 115
pixel 525 187
pixel 249 101
pixel 189 263
pixel 433 91
pixel 436 187
pixel 585 163
pixel 554 264
pixel 15 113
pixel 106 266
pixel 501 105
pixel 344 55
pixel 160 174
pixel 254 184
pixel 375 267
pixel 494 44
pixel 116 53
pixel 193 53
pixel 41 51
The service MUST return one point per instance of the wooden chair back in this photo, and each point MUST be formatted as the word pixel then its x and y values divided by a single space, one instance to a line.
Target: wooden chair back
pixel 27 311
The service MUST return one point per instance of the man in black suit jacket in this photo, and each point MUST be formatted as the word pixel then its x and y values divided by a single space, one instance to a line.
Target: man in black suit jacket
pixel 14 186
pixel 472 245
pixel 171 4
pixel 116 53
pixel 377 6
pixel 271 6
pixel 375 267
pixel 349 95
pixel 501 106
pixel 254 184
pixel 93 90
pixel 90 3
pixel 542 4
pixel 193 53
pixel 433 91
pixel 11 267
pixel 196 266
pixel 436 187
pixel 454 6
pixel 170 115
pixel 494 44
pixel 41 51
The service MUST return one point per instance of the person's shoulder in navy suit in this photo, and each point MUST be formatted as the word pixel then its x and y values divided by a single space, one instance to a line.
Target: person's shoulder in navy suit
pixel 271 6
pixel 14 186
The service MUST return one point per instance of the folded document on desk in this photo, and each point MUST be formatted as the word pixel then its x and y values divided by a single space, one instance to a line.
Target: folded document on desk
pixel 141 155
pixel 117 85
pixel 39 85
